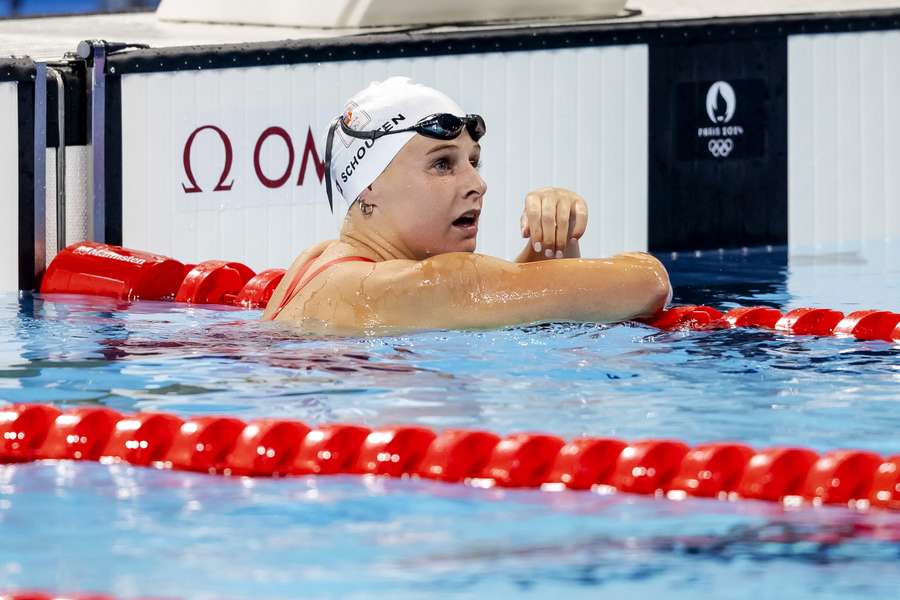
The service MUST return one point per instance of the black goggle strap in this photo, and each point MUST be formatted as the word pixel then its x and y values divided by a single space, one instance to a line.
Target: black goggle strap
pixel 328 143
pixel 363 135
pixel 425 127
pixel 435 126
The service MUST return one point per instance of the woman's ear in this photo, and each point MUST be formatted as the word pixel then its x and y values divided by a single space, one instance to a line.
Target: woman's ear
pixel 366 195
pixel 366 200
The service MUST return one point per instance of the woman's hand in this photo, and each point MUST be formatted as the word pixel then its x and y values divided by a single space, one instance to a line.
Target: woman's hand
pixel 554 220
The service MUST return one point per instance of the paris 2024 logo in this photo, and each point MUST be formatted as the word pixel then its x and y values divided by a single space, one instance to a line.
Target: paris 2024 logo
pixel 721 104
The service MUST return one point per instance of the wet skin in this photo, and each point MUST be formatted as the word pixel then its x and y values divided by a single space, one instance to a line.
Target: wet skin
pixel 419 222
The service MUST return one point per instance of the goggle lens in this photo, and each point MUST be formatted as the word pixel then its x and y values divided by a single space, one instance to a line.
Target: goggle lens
pixel 447 126
pixel 476 127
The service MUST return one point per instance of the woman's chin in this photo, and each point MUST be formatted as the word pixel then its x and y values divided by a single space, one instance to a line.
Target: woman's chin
pixel 464 245
pixel 467 245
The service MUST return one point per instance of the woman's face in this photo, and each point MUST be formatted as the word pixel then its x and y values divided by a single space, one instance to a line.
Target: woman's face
pixel 431 194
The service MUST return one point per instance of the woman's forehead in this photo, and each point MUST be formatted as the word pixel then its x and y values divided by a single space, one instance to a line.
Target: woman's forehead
pixel 423 145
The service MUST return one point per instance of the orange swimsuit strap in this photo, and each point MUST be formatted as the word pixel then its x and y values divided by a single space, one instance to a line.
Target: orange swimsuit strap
pixel 292 293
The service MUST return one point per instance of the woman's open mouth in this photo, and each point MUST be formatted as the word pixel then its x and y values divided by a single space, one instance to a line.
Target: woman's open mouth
pixel 468 221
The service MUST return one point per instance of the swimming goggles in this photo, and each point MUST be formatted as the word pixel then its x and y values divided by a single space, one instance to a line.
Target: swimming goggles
pixel 441 126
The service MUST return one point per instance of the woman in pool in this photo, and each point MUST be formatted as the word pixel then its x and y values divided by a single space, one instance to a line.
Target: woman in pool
pixel 405 157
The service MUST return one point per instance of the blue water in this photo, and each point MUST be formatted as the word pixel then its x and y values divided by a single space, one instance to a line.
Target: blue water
pixel 48 7
pixel 130 532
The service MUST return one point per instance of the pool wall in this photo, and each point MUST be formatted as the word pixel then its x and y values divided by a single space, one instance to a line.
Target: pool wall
pixel 844 139
pixel 9 191
pixel 21 218
pixel 180 129
pixel 682 135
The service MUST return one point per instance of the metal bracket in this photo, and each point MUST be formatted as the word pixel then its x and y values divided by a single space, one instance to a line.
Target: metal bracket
pixel 60 159
pixel 95 52
pixel 40 173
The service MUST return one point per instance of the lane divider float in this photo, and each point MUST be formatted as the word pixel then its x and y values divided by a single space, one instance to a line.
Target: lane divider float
pixel 29 595
pixel 97 269
pixel 277 447
pixel 105 270
pixel 861 324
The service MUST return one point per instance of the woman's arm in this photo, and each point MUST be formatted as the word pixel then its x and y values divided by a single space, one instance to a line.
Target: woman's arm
pixel 465 291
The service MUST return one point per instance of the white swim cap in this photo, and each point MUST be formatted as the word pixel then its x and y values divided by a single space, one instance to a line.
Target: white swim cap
pixel 395 103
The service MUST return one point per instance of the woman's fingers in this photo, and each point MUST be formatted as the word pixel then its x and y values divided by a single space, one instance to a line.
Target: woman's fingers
pixel 548 223
pixel 552 218
pixel 579 219
pixel 533 219
pixel 563 208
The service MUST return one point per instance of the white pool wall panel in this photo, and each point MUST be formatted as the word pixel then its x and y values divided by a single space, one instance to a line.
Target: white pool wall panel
pixel 78 203
pixel 573 118
pixel 843 139
pixel 9 190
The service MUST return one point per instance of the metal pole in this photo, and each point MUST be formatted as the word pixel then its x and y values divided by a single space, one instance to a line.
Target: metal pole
pixel 96 51
pixel 40 173
pixel 60 160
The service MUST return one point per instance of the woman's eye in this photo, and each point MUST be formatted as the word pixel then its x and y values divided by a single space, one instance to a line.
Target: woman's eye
pixel 476 162
pixel 442 164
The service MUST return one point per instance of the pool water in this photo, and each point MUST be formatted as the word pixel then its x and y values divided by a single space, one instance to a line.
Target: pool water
pixel 20 8
pixel 129 531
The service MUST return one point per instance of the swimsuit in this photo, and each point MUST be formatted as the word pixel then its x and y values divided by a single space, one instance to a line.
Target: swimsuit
pixel 291 293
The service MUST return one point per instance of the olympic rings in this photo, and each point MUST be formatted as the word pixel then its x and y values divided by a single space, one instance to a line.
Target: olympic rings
pixel 720 148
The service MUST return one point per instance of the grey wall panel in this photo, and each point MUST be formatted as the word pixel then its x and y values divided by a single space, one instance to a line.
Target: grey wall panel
pixel 844 139
pixel 9 190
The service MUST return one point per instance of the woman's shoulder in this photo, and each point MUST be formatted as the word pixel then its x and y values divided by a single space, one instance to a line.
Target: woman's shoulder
pixel 312 253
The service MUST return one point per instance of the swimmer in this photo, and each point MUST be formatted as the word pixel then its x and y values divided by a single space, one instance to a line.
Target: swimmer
pixel 404 158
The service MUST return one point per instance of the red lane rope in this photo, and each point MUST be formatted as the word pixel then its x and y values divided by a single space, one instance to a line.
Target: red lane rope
pixel 862 324
pixel 105 270
pixel 28 595
pixel 276 447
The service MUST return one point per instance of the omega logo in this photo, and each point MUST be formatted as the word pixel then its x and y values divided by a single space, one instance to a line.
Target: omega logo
pixel 268 180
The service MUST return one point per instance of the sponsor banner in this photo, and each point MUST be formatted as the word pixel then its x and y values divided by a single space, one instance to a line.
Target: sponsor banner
pixel 9 191
pixel 718 145
pixel 228 163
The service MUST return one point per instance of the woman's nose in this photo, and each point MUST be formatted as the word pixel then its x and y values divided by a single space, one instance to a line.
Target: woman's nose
pixel 476 185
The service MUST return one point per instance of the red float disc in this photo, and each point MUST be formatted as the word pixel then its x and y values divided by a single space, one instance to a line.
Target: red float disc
pixel 810 321
pixel 711 469
pixel 213 282
pixel 259 289
pixel 522 460
pixel 80 434
pixel 457 454
pixel 329 449
pixel 647 467
pixel 393 451
pixel 112 271
pixel 584 462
